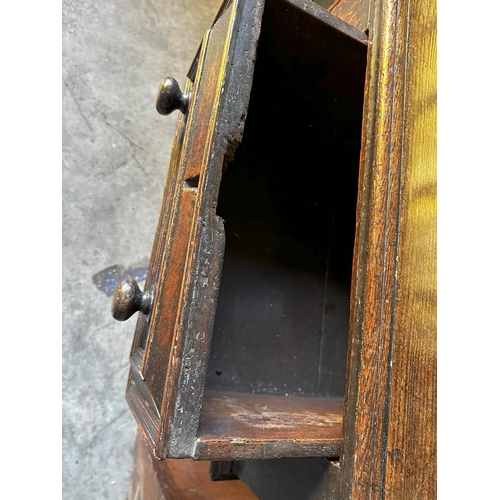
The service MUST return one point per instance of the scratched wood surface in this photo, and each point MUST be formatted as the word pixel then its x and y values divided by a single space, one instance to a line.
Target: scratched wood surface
pixel 390 410
pixel 174 479
pixel 236 426
pixel 354 12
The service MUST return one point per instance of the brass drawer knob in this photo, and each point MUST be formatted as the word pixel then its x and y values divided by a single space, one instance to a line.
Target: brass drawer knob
pixel 128 299
pixel 170 97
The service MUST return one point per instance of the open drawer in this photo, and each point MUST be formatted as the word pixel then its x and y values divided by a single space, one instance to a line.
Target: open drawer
pixel 241 342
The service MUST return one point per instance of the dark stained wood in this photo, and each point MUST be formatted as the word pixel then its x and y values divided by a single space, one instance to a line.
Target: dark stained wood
pixel 178 266
pixel 354 12
pixel 173 479
pixel 291 478
pixel 239 426
pixel 322 15
pixel 310 69
pixel 231 50
pixel 170 353
pixel 171 183
pixel 187 256
pixel 282 316
pixel 390 409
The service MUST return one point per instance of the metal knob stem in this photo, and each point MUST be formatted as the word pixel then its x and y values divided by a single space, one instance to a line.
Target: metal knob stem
pixel 128 299
pixel 170 97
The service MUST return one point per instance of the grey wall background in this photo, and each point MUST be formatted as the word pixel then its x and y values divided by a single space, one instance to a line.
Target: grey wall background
pixel 115 156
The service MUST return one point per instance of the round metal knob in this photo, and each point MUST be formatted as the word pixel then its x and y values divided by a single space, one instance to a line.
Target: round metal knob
pixel 170 97
pixel 128 299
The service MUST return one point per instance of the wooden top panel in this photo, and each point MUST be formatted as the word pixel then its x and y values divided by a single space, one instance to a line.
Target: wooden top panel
pixel 263 426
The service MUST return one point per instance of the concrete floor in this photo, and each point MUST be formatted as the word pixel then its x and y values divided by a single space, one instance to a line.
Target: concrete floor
pixel 115 155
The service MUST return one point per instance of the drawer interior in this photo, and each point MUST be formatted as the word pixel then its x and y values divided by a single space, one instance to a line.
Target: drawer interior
pixel 288 200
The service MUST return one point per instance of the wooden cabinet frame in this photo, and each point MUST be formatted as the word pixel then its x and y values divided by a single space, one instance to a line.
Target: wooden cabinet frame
pixel 387 444
pixel 390 406
pixel 171 347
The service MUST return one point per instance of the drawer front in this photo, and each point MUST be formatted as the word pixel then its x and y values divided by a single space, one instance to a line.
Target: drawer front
pixel 171 344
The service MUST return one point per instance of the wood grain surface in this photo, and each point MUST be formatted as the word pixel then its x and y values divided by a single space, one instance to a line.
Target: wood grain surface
pixel 354 12
pixel 390 410
pixel 241 426
pixel 411 440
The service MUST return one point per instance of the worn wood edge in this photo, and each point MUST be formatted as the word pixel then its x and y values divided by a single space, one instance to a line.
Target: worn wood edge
pixel 195 349
pixel 136 361
pixel 173 189
pixel 359 280
pixel 265 449
pixel 179 427
pixel 220 439
pixel 330 19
